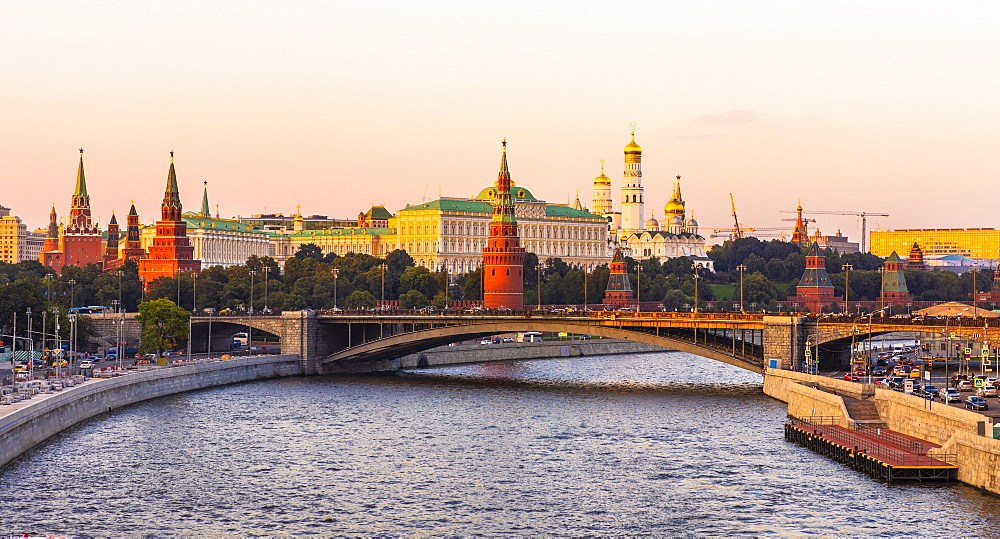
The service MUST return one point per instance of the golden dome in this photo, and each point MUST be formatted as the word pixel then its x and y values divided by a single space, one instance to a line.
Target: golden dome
pixel 632 146
pixel 673 207
pixel 602 179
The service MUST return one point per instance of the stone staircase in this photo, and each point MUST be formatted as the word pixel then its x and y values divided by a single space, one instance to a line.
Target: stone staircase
pixel 863 413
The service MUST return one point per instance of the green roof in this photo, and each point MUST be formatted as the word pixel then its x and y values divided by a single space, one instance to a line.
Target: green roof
pixel 566 211
pixel 516 194
pixel 452 205
pixel 353 231
pixel 378 212
pixel 195 222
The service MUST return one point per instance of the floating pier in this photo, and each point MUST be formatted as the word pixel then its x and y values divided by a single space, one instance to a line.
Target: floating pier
pixel 886 455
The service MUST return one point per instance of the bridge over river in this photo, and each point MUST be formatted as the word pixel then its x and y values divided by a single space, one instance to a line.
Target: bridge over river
pixel 329 342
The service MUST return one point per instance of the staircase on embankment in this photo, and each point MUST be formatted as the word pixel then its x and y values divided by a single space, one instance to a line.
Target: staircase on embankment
pixel 863 413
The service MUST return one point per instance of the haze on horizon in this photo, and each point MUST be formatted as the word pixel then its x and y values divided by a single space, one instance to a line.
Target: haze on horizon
pixel 335 106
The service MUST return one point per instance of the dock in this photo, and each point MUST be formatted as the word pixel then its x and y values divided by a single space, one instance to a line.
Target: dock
pixel 884 454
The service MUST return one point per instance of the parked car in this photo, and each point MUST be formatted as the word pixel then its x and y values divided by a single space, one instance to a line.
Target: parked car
pixel 949 394
pixel 974 402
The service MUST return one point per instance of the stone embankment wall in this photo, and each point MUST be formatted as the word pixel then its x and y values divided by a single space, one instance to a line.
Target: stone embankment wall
pixel 957 430
pixel 27 427
pixel 481 353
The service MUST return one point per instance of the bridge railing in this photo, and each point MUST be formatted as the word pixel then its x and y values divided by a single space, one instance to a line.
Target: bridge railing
pixel 549 313
pixel 906 320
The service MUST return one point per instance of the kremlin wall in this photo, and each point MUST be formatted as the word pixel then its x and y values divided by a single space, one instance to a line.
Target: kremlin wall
pixel 492 230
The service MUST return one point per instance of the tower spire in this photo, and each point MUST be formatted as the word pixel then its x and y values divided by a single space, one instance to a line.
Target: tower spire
pixel 81 180
pixel 206 211
pixel 170 210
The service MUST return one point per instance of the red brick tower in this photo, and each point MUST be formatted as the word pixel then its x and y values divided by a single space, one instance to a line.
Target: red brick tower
pixel 133 247
pixel 503 257
pixel 171 251
pixel 51 255
pixel 111 260
pixel 894 281
pixel 81 241
pixel 815 290
pixel 619 291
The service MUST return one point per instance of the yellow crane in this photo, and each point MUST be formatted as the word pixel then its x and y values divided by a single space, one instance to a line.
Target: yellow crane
pixel 737 231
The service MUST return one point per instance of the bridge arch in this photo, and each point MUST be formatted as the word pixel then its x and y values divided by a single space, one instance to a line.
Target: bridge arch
pixel 399 345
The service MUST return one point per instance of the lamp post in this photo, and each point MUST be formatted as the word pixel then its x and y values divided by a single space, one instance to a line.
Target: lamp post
pixel 194 309
pixel 638 286
pixel 336 272
pixel 881 293
pixel 975 292
pixel 266 269
pixel 741 268
pixel 250 319
pixel 696 277
pixel 847 287
pixel 72 325
pixel 382 306
pixel 31 349
pixel 120 274
pixel 48 288
pixel 539 268
pixel 585 306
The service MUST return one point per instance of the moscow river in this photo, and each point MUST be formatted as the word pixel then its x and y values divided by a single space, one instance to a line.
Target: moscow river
pixel 664 444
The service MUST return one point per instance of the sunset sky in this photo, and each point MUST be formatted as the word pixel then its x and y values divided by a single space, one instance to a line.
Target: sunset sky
pixel 334 106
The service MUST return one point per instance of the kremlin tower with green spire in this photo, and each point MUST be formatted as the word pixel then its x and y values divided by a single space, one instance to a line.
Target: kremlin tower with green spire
pixel 171 252
pixel 503 257
pixel 80 242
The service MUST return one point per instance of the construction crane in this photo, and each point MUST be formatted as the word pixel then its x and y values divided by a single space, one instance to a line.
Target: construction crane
pixel 862 214
pixel 737 231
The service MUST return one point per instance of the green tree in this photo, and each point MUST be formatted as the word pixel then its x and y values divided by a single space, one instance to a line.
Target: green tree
pixel 310 250
pixel 163 322
pixel 413 299
pixel 361 299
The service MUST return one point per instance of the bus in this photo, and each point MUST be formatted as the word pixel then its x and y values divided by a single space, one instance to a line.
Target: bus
pixel 93 309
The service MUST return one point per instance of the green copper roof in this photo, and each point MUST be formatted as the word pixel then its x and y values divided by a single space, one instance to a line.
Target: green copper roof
pixel 894 258
pixel 452 205
pixel 196 221
pixel 516 193
pixel 81 180
pixel 341 232
pixel 204 202
pixel 378 212
pixel 171 196
pixel 566 211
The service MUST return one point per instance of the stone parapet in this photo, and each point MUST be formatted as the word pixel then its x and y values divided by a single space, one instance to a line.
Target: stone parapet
pixel 26 427
pixel 481 353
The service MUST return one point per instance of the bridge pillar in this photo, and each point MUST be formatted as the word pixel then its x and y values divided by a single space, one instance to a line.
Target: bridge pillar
pixel 301 335
pixel 785 340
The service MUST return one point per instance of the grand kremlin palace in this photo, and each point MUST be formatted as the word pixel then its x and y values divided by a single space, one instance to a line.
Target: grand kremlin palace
pixel 452 232
pixel 978 243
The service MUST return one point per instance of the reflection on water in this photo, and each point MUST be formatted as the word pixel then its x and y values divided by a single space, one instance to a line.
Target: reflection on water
pixel 641 444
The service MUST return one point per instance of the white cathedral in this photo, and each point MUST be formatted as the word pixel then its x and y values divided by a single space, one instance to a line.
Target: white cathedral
pixel 677 237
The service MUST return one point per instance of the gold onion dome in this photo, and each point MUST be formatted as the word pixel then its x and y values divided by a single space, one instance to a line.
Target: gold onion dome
pixel 673 206
pixel 632 146
pixel 602 179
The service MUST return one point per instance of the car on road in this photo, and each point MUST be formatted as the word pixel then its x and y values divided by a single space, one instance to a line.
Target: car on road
pixel 974 402
pixel 949 394
pixel 86 365
pixel 851 377
pixel 987 391
pixel 879 371
pixel 964 385
pixel 927 391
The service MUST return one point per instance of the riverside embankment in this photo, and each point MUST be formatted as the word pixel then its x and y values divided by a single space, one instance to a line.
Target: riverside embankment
pixel 47 415
pixel 965 434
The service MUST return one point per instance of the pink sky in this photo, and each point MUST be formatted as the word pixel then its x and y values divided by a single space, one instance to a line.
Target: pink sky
pixel 876 106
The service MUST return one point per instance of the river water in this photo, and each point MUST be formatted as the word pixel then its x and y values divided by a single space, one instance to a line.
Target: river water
pixel 665 444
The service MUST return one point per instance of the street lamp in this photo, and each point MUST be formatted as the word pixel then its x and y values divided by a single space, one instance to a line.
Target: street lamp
pixel 250 319
pixel 741 268
pixel 194 309
pixel 638 285
pixel 585 306
pixel 881 294
pixel 120 274
pixel 336 272
pixel 975 292
pixel 72 326
pixel 266 269
pixel 847 287
pixel 696 277
pixel 538 267
pixel 382 306
pixel 31 349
